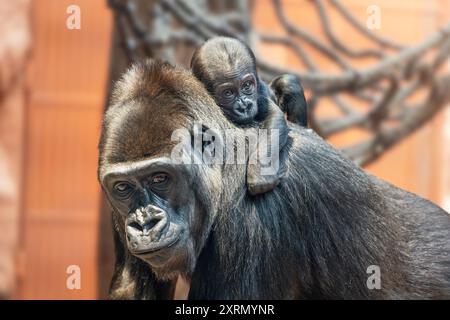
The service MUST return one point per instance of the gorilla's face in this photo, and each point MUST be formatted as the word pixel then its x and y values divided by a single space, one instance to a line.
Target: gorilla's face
pixel 156 207
pixel 163 209
pixel 236 93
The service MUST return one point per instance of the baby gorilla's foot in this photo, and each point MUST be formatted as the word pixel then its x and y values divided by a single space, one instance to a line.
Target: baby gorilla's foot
pixel 286 84
pixel 291 98
pixel 257 183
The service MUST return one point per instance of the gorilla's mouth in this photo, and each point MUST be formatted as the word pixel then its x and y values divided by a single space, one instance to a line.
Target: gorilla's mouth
pixel 165 243
pixel 245 115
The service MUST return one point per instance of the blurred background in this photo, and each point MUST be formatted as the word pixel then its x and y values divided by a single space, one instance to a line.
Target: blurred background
pixel 375 72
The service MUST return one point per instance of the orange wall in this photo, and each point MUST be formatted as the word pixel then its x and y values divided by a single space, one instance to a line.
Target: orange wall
pixel 67 81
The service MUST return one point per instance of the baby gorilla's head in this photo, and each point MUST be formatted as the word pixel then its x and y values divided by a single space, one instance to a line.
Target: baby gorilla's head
pixel 227 68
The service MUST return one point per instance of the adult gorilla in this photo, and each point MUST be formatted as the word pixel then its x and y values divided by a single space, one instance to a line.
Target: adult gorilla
pixel 314 236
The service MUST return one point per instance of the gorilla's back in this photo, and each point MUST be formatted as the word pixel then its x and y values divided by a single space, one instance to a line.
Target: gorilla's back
pixel 406 235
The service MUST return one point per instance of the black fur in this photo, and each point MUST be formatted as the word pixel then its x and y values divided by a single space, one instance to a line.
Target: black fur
pixel 314 236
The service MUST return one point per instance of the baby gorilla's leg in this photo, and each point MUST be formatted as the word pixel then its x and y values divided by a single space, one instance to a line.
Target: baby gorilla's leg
pixel 290 98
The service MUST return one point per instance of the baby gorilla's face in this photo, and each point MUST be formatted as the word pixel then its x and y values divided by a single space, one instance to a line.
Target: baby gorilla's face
pixel 237 95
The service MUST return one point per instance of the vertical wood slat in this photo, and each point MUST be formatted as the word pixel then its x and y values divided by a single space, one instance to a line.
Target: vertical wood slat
pixel 67 82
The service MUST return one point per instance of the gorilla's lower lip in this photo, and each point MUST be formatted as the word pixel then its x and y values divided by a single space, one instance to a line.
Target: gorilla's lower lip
pixel 246 111
pixel 158 248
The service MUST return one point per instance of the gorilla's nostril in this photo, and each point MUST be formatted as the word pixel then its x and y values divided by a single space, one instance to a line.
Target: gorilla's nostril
pixel 151 224
pixel 146 226
pixel 136 226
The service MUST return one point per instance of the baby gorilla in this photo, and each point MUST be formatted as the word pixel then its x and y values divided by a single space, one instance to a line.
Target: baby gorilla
pixel 227 68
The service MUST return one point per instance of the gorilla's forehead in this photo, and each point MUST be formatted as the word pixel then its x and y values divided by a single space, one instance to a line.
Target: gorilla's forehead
pixel 230 72
pixel 136 131
pixel 150 101
pixel 143 167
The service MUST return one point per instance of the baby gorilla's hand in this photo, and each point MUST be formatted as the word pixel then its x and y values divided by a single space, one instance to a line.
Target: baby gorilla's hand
pixel 257 183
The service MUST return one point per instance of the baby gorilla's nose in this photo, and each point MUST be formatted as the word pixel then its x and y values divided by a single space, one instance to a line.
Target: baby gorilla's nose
pixel 244 106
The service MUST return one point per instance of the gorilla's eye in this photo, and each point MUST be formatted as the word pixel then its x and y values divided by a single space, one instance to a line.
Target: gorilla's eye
pixel 247 86
pixel 159 178
pixel 123 189
pixel 227 93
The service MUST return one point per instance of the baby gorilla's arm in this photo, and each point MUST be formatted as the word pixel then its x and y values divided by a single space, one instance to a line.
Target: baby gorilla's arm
pixel 257 182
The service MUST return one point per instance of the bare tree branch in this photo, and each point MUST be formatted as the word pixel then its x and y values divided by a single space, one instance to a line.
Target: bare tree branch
pixel 385 88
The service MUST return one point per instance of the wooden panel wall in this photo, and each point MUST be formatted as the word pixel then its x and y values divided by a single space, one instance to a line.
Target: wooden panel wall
pixel 67 82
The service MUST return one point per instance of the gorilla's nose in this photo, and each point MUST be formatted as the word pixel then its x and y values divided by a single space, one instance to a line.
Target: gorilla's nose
pixel 147 222
pixel 245 105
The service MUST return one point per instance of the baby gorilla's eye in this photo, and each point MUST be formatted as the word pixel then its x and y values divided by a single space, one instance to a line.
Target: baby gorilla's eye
pixel 123 189
pixel 247 86
pixel 227 93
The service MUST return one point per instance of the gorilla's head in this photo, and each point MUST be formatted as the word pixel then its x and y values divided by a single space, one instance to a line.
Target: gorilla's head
pixel 163 210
